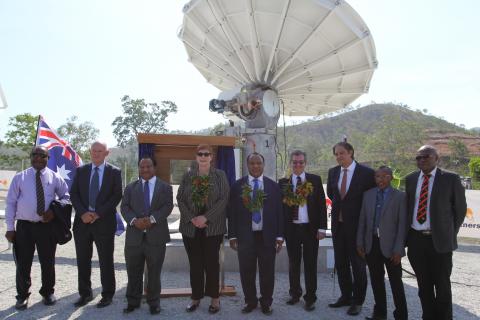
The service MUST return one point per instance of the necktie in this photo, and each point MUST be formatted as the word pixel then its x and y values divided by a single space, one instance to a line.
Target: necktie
pixel 378 210
pixel 40 194
pixel 93 191
pixel 423 200
pixel 295 208
pixel 256 216
pixel 343 186
pixel 146 196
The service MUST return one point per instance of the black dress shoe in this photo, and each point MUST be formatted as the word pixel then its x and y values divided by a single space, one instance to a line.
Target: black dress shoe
pixel 293 300
pixel 155 309
pixel 267 310
pixel 339 303
pixel 309 306
pixel 21 304
pixel 249 308
pixel 213 309
pixel 354 309
pixel 192 306
pixel 49 300
pixel 83 300
pixel 130 308
pixel 104 302
pixel 376 317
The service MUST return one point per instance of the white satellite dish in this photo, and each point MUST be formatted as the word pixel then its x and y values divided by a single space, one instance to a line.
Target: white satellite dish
pixel 313 56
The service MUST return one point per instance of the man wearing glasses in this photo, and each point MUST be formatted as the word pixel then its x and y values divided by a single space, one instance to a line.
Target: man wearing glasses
pixel 436 207
pixel 305 225
pixel 28 202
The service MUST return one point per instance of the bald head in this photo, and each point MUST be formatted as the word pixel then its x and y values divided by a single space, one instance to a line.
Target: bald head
pixel 427 158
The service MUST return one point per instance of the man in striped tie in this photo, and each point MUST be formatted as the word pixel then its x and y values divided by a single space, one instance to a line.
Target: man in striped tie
pixel 436 208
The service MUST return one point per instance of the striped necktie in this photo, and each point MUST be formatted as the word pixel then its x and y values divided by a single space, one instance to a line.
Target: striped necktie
pixel 423 200
pixel 40 194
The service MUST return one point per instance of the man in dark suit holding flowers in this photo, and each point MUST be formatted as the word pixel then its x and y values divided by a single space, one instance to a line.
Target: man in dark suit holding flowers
pixel 305 216
pixel 255 230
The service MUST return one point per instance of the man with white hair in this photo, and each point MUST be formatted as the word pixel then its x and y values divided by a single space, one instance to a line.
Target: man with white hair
pixel 96 192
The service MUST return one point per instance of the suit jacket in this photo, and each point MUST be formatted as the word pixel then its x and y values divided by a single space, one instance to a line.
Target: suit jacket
pixel 62 210
pixel 363 179
pixel 108 198
pixel 240 219
pixel 215 208
pixel 448 207
pixel 316 204
pixel 161 206
pixel 393 222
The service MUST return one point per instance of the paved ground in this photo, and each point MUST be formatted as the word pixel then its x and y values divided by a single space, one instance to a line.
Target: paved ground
pixel 466 284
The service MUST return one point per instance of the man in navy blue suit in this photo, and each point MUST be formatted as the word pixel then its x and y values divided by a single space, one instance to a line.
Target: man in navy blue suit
pixel 257 235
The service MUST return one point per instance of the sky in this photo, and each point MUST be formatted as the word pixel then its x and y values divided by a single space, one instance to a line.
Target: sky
pixel 63 58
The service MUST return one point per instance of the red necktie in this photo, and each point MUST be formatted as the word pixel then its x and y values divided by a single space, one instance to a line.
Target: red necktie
pixel 343 186
pixel 423 200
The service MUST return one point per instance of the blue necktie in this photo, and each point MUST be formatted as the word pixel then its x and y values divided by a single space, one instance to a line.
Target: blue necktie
pixel 93 190
pixel 146 196
pixel 256 216
pixel 378 210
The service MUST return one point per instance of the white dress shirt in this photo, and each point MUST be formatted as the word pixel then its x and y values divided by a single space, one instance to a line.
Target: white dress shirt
pixel 303 210
pixel 426 225
pixel 350 171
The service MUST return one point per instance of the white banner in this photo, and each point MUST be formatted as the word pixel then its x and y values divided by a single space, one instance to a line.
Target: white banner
pixel 471 225
pixel 6 177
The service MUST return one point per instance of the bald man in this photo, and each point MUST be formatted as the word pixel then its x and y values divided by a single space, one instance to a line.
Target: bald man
pixel 96 192
pixel 436 208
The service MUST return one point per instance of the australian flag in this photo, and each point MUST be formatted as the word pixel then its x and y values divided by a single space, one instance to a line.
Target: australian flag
pixel 63 159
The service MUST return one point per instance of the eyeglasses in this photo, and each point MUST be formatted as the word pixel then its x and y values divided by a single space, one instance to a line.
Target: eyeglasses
pixel 203 154
pixel 41 155
pixel 422 157
pixel 298 162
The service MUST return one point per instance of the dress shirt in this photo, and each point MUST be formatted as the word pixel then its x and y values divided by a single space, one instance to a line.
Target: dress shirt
pixel 376 223
pixel 22 195
pixel 350 171
pixel 151 188
pixel 426 225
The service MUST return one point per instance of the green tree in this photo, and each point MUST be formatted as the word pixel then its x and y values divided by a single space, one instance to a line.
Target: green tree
pixel 79 135
pixel 22 132
pixel 474 166
pixel 458 149
pixel 141 117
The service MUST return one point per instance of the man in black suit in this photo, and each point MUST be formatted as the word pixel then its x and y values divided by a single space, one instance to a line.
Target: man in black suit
pixel 436 210
pixel 345 186
pixel 256 235
pixel 146 204
pixel 304 226
pixel 96 192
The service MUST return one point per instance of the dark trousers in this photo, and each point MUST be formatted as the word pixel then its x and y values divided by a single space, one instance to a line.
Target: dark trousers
pixel 203 255
pixel 135 258
pixel 433 271
pixel 248 257
pixel 348 263
pixel 84 240
pixel 376 262
pixel 28 236
pixel 301 241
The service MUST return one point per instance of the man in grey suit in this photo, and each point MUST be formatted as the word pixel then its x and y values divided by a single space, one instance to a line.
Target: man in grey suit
pixel 381 241
pixel 436 208
pixel 146 204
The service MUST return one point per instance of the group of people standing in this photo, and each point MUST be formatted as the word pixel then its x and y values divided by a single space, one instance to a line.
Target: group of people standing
pixel 371 223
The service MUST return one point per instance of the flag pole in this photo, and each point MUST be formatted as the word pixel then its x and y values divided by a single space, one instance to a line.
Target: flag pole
pixel 38 128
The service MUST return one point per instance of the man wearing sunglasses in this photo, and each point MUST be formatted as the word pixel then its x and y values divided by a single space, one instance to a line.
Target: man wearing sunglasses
pixel 28 202
pixel 436 207
pixel 304 226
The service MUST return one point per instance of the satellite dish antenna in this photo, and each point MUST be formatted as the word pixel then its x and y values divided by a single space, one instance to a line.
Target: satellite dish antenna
pixel 3 100
pixel 306 57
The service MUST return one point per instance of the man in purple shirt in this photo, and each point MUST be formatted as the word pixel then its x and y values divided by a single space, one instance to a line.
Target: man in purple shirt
pixel 28 202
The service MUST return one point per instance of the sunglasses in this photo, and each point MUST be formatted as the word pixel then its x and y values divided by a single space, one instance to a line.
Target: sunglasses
pixel 41 155
pixel 203 154
pixel 298 162
pixel 424 157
